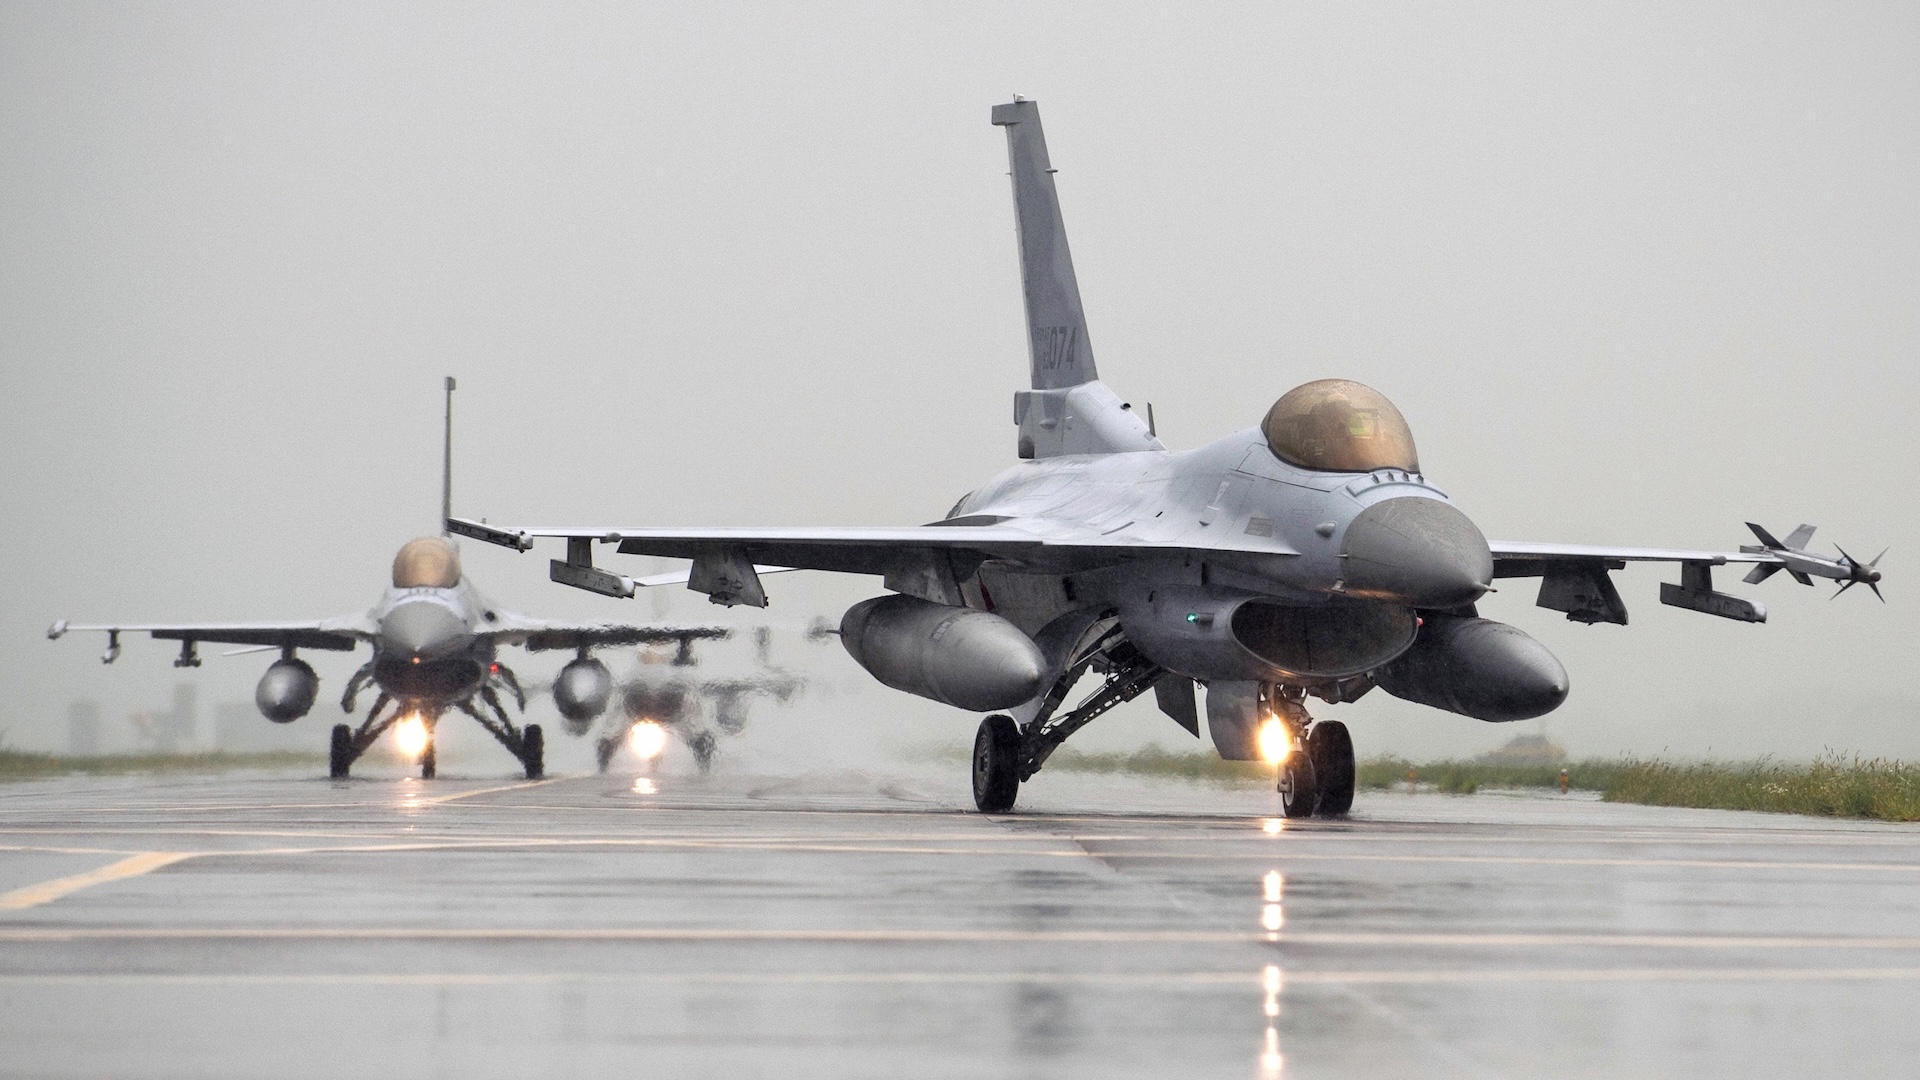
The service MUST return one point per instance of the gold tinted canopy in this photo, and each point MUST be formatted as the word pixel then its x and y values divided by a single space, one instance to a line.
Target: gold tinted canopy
pixel 427 563
pixel 1334 425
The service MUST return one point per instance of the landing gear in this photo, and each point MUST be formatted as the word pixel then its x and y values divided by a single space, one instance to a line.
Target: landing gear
pixel 347 744
pixel 1298 793
pixel 528 744
pixel 533 751
pixel 1330 749
pixel 429 758
pixel 341 754
pixel 996 764
pixel 1005 753
pixel 1317 775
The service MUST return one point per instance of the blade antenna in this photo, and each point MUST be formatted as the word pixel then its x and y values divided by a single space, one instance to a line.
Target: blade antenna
pixel 446 464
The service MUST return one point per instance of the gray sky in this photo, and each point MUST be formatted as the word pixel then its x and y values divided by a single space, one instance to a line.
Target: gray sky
pixel 1634 273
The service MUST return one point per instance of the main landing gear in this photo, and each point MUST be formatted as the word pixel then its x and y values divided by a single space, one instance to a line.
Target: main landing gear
pixel 347 744
pixel 1006 753
pixel 996 764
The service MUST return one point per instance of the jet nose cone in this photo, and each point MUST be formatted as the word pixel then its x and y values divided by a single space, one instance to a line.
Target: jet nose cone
pixel 1417 551
pixel 421 629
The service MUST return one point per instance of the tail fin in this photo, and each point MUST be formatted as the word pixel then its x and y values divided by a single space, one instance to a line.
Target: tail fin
pixel 446 465
pixel 1798 538
pixel 1058 347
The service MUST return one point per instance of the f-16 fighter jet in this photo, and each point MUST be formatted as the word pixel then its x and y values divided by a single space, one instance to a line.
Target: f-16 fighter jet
pixel 1306 556
pixel 664 696
pixel 435 642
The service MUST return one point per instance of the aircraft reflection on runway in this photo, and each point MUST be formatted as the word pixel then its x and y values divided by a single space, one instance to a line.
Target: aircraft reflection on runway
pixel 1270 1059
pixel 644 785
pixel 1272 917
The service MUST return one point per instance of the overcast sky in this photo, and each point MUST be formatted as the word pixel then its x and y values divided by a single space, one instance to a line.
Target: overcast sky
pixel 1634 273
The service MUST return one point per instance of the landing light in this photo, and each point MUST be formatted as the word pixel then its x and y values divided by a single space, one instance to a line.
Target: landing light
pixel 647 739
pixel 1275 740
pixel 410 735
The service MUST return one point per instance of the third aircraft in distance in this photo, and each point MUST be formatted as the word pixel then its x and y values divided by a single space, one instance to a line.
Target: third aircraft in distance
pixel 1306 556
pixel 435 641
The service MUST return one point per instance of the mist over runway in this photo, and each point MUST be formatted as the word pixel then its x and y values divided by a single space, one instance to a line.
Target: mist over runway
pixel 845 923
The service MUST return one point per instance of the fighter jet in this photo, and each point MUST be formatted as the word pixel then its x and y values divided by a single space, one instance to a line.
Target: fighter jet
pixel 665 697
pixel 435 641
pixel 1309 555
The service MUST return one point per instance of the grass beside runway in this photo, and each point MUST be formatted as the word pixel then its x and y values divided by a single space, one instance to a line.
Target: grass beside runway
pixel 25 765
pixel 1830 787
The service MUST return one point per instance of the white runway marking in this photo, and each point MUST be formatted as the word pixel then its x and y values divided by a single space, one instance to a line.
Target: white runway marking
pixel 132 866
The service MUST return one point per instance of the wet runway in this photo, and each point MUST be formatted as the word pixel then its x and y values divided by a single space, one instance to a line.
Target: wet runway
pixel 853 924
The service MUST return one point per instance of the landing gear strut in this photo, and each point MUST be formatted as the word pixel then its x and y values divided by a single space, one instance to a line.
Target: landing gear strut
pixel 1006 753
pixel 528 744
pixel 347 744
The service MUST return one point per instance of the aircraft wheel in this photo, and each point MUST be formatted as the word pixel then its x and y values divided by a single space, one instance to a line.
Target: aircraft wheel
pixel 534 751
pixel 340 753
pixel 1298 793
pixel 429 763
pixel 996 764
pixel 1331 749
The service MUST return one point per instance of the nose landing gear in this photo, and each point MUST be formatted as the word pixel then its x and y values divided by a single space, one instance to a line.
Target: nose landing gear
pixel 1330 748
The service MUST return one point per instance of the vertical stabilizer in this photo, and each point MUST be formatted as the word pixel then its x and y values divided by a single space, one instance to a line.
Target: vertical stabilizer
pixel 446 464
pixel 1057 341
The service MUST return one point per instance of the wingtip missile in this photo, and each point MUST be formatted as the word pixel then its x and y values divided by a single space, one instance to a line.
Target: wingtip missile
pixel 1805 565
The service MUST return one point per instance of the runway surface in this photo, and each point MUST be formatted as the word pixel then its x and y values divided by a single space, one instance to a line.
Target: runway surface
pixel 856 924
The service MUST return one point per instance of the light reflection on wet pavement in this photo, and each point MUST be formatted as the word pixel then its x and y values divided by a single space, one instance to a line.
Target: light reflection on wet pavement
pixel 848 924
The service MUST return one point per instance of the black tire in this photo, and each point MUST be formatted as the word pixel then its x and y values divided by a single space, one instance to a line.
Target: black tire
pixel 429 759
pixel 996 764
pixel 340 753
pixel 1299 795
pixel 1331 749
pixel 533 753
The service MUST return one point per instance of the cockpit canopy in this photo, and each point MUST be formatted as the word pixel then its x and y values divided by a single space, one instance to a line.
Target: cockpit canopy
pixel 1334 425
pixel 427 563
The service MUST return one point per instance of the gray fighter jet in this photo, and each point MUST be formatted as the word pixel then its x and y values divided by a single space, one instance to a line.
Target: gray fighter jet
pixel 435 642
pixel 1306 556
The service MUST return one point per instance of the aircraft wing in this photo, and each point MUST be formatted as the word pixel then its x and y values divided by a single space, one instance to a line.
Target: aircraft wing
pixel 924 560
pixel 1575 578
pixel 855 550
pixel 339 635
pixel 607 635
pixel 1513 558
